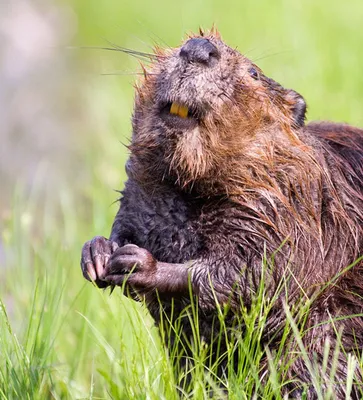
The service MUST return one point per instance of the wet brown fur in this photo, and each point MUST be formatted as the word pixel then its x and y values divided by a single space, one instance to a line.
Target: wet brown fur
pixel 274 180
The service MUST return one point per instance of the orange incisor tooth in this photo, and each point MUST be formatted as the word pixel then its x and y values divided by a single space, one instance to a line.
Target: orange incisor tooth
pixel 183 111
pixel 174 109
pixel 179 110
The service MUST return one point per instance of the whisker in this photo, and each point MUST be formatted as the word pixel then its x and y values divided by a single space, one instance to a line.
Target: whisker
pixel 267 55
pixel 127 51
pixel 145 57
pixel 153 34
pixel 136 53
pixel 124 73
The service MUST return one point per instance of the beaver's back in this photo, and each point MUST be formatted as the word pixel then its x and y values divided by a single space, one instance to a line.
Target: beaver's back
pixel 345 146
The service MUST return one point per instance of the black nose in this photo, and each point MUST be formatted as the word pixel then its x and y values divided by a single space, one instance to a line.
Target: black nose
pixel 200 50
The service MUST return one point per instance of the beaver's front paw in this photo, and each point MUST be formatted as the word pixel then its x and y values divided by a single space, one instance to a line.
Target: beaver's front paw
pixel 95 256
pixel 131 263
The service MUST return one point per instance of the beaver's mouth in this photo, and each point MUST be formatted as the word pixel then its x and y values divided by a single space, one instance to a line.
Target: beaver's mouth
pixel 179 116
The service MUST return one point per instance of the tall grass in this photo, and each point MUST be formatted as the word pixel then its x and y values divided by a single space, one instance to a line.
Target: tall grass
pixel 60 337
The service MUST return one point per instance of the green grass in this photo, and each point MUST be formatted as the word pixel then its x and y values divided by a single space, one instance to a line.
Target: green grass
pixel 62 338
pixel 59 336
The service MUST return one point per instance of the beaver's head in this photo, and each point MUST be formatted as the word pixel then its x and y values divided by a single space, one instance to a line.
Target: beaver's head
pixel 204 103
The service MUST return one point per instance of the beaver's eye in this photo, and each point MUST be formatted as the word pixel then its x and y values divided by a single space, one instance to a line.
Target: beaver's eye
pixel 254 73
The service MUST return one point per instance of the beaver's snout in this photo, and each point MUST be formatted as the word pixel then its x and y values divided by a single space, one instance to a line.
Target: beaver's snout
pixel 190 83
pixel 201 51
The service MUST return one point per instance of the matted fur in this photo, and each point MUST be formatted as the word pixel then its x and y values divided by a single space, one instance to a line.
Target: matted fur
pixel 248 179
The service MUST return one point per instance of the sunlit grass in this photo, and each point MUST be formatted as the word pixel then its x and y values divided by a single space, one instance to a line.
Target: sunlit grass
pixel 60 337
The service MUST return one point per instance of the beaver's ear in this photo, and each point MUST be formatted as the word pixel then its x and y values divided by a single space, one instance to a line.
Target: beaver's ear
pixel 298 108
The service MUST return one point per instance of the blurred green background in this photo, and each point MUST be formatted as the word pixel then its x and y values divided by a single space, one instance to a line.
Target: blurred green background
pixel 65 112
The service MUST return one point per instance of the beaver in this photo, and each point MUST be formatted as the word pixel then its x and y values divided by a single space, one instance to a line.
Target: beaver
pixel 223 172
